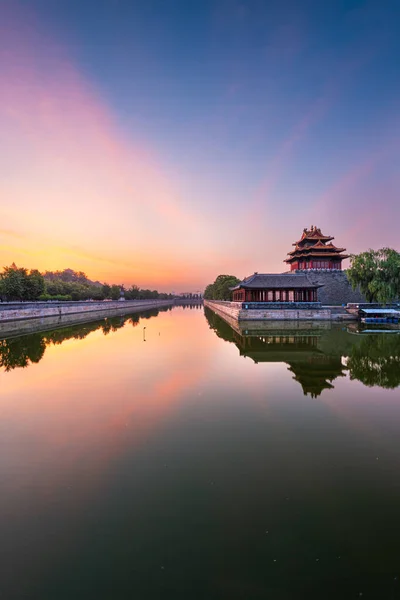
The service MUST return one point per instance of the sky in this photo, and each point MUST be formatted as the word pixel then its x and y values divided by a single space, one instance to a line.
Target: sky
pixel 162 143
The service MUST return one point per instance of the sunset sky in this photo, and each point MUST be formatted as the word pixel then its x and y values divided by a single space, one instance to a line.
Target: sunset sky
pixel 162 142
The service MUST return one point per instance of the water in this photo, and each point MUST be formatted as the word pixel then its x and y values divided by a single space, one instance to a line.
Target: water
pixel 174 457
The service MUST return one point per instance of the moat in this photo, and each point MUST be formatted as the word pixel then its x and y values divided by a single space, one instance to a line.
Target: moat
pixel 168 455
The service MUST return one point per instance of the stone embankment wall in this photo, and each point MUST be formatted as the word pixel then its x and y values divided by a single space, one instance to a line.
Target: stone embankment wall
pixel 235 311
pixel 336 287
pixel 231 309
pixel 41 324
pixel 17 311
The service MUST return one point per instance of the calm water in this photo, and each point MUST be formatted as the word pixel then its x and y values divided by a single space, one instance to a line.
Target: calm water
pixel 169 456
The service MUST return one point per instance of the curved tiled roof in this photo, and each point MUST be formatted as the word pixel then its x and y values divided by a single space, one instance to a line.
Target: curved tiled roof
pixel 318 246
pixel 272 281
pixel 317 255
pixel 314 233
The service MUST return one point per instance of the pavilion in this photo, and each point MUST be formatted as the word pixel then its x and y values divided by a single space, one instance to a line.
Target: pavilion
pixel 287 287
pixel 314 250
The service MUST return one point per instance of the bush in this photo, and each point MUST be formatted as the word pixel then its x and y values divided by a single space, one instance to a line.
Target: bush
pixel 57 297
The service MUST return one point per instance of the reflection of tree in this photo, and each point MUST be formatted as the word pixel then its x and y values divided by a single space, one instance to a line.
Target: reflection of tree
pixel 217 324
pixel 316 359
pixel 376 361
pixel 134 320
pixel 20 352
pixel 76 332
pixel 27 349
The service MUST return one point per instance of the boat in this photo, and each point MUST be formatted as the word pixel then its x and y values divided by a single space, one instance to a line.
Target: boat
pixel 379 315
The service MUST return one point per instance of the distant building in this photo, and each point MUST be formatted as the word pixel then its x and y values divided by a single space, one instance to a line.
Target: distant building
pixel 315 276
pixel 315 251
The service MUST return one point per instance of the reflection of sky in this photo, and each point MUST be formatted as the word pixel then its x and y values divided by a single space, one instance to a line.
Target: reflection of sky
pixel 66 419
pixel 109 417
pixel 163 146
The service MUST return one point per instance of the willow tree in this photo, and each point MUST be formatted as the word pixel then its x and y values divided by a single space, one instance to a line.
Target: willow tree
pixel 377 274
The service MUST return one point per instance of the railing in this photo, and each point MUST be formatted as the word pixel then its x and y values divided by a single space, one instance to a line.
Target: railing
pixel 361 305
pixel 280 305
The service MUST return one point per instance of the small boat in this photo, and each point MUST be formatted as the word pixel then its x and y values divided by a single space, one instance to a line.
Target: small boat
pixel 379 315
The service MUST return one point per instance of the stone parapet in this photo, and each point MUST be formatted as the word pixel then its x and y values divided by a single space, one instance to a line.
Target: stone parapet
pixel 34 310
pixel 281 305
pixel 265 312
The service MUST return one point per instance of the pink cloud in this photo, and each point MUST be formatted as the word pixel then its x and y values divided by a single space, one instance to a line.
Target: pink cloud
pixel 76 178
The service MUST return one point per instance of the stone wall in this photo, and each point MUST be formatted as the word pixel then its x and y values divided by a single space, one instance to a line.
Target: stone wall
pixel 49 323
pixel 315 314
pixel 336 287
pixel 37 310
pixel 234 311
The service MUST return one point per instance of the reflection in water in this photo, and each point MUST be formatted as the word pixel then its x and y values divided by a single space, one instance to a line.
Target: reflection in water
pixel 24 350
pixel 176 469
pixel 376 360
pixel 314 355
pixel 20 352
pixel 190 305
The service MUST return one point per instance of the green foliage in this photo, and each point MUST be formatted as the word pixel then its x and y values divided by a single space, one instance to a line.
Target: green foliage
pixel 376 361
pixel 16 352
pixel 377 274
pixel 220 289
pixel 59 298
pixel 68 276
pixel 115 292
pixel 73 284
pixel 19 284
pixel 35 285
pixel 209 292
pixel 132 293
pixel 106 290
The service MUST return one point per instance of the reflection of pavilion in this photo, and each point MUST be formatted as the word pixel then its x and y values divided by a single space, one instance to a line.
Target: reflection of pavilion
pixel 300 349
pixel 313 369
pixel 317 375
pixel 313 351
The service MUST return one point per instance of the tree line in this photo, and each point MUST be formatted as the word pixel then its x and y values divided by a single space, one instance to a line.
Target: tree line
pixel 21 284
pixel 220 289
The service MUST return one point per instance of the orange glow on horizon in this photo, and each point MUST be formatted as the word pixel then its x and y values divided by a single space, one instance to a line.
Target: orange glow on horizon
pixel 84 196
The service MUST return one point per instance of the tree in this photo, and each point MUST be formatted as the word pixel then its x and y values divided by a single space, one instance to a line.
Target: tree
pixel 106 289
pixel 132 293
pixel 115 292
pixel 18 284
pixel 220 289
pixel 35 285
pixel 209 292
pixel 377 274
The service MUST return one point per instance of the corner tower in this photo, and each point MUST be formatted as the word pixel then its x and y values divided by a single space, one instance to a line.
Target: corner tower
pixel 315 251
